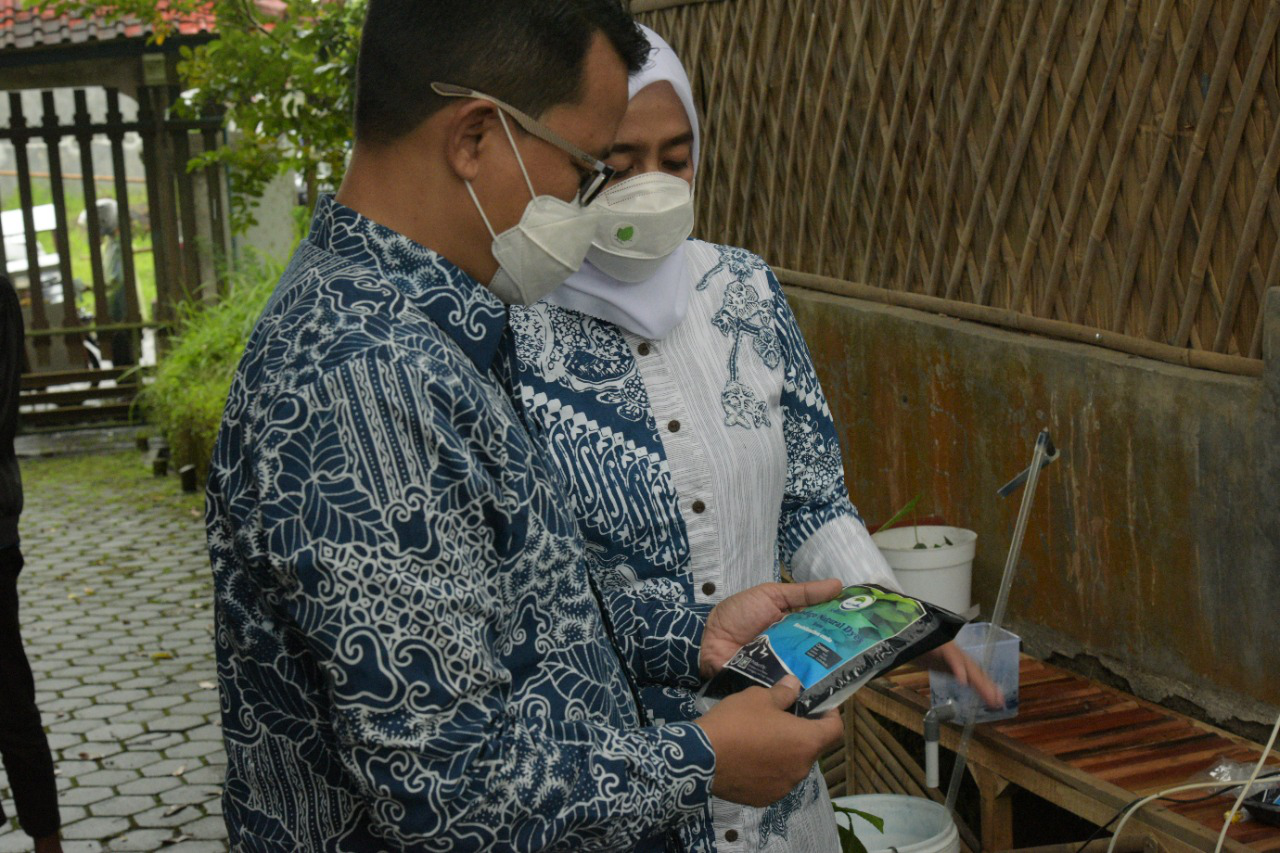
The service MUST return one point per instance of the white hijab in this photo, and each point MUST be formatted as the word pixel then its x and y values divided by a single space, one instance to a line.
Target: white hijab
pixel 654 307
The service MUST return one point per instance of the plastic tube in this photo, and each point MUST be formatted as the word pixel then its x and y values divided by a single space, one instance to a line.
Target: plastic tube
pixel 1041 450
pixel 1131 810
pixel 933 720
pixel 1244 792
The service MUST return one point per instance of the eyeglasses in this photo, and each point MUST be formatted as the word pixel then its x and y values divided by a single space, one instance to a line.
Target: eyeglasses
pixel 593 182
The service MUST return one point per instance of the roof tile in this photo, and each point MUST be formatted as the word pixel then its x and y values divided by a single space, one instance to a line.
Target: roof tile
pixel 23 27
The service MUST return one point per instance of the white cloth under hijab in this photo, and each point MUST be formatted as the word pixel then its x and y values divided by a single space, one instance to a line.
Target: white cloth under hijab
pixel 652 308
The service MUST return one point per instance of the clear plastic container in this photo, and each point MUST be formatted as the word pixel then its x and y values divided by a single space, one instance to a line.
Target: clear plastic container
pixel 1003 670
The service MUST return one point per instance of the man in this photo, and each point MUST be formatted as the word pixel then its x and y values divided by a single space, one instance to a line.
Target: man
pixel 23 745
pixel 121 342
pixel 411 652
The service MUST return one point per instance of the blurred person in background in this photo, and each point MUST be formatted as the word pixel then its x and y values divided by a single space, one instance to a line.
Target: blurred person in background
pixel 23 745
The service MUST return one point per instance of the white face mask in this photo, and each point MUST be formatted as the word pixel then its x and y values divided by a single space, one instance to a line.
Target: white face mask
pixel 544 248
pixel 641 222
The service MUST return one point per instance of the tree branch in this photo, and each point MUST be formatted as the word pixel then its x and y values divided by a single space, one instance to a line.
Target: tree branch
pixel 247 6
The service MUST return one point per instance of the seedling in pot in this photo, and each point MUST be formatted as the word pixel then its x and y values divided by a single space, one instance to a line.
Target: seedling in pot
pixel 910 507
pixel 849 842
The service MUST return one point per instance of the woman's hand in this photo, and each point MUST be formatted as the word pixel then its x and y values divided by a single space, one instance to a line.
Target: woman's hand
pixel 951 658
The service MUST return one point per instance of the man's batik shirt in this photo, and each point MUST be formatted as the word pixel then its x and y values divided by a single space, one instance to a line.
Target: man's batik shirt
pixel 410 650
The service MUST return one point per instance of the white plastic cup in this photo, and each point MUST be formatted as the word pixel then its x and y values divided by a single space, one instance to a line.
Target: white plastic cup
pixel 938 573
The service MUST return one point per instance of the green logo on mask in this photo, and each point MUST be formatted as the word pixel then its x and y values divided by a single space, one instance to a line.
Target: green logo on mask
pixel 626 233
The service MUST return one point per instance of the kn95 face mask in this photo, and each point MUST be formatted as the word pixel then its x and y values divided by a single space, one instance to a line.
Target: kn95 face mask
pixel 640 223
pixel 544 248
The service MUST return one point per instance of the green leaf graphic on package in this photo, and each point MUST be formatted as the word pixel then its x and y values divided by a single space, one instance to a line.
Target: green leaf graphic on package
pixel 835 647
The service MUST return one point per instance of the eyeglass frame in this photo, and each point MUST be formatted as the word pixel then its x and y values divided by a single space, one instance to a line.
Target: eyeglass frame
pixel 592 184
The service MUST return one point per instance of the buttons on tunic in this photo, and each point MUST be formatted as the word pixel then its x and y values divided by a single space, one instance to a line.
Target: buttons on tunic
pixel 709 588
pixel 674 426
pixel 731 835
pixel 643 349
pixel 699 507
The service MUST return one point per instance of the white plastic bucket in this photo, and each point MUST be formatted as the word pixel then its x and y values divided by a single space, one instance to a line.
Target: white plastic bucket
pixel 939 573
pixel 911 824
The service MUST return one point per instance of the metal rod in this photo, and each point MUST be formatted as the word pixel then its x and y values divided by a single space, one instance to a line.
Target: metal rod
pixel 35 288
pixel 4 256
pixel 71 176
pixel 1010 487
pixel 193 286
pixel 160 167
pixel 17 135
pixel 61 233
pixel 126 219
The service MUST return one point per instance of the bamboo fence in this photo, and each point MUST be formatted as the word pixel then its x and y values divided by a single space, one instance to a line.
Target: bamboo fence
pixel 1101 170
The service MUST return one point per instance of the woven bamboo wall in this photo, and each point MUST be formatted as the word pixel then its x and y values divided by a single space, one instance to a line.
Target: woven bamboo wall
pixel 1101 167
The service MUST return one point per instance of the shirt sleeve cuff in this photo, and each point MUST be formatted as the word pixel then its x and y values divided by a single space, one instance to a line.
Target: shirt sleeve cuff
pixel 692 763
pixel 843 549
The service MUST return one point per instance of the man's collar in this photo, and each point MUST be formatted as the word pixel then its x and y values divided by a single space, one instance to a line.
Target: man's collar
pixel 465 309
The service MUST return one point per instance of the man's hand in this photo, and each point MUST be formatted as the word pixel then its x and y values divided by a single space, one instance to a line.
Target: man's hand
pixel 966 671
pixel 741 617
pixel 762 751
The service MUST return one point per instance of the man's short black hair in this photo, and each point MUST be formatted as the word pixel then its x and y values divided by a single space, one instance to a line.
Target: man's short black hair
pixel 529 53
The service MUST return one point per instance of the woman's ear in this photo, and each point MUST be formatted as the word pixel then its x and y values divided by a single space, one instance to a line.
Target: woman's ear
pixel 468 134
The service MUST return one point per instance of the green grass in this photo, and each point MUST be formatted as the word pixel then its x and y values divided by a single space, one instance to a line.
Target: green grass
pixel 109 473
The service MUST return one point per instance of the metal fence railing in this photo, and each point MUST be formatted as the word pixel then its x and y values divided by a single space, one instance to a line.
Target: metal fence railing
pixel 81 288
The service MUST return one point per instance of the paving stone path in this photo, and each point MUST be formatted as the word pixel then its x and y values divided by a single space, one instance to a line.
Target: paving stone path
pixel 116 614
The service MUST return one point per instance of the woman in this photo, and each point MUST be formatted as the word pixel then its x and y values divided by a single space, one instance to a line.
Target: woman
pixel 679 401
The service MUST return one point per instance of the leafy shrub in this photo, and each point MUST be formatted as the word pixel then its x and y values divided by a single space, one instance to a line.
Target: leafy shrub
pixel 194 375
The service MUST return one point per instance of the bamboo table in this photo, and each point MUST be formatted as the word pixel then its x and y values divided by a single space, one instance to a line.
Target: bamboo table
pixel 1081 745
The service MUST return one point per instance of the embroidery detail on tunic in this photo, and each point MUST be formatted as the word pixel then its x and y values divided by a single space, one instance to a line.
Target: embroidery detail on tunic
pixel 775 818
pixel 740 263
pixel 744 313
pixel 813 463
pixel 797 381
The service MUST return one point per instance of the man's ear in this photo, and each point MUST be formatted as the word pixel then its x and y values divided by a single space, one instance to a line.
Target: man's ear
pixel 468 134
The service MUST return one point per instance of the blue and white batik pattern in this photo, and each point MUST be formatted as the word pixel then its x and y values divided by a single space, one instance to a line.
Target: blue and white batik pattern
pixel 697 464
pixel 410 655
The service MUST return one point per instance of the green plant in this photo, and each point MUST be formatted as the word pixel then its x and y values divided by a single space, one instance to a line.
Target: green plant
pixel 190 389
pixel 849 842
pixel 283 82
pixel 910 507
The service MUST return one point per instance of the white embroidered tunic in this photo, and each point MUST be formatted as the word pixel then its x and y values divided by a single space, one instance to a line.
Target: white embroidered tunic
pixel 696 465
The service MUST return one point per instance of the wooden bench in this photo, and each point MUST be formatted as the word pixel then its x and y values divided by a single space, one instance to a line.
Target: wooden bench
pixel 1086 747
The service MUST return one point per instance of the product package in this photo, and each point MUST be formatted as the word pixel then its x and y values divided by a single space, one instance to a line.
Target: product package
pixel 835 647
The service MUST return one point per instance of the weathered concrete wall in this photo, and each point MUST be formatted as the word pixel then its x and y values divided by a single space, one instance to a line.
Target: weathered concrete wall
pixel 272 236
pixel 1154 542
